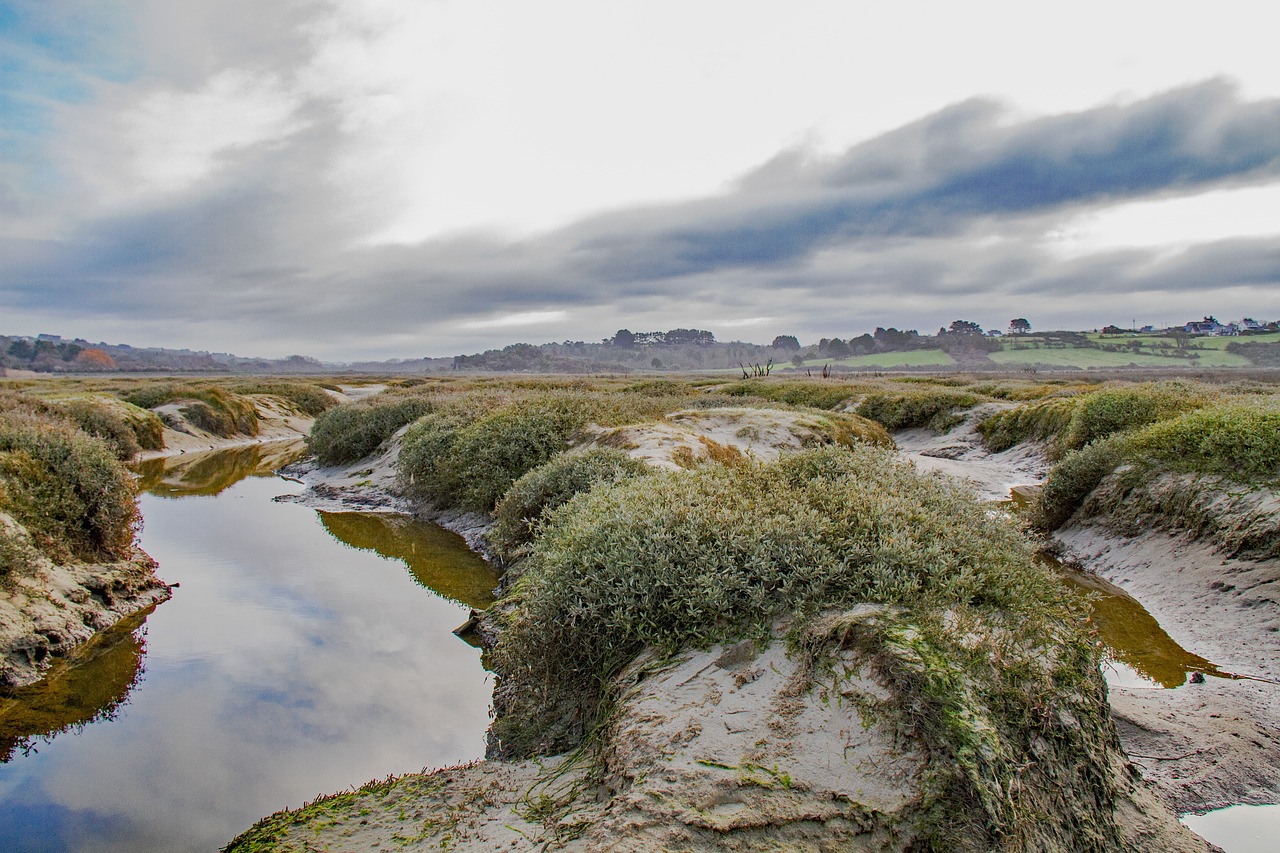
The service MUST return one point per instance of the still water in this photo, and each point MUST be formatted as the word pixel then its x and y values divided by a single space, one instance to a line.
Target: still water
pixel 304 652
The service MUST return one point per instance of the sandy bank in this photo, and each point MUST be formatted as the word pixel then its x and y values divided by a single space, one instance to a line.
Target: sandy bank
pixel 1216 743
pixel 55 608
pixel 731 748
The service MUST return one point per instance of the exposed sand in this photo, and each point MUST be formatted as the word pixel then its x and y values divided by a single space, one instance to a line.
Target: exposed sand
pixel 1216 743
pixel 731 748
pixel 693 762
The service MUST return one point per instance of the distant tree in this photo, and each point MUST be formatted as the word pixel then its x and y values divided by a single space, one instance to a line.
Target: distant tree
pixel 95 359
pixel 862 345
pixel 690 336
pixel 623 338
pixel 1019 326
pixel 964 327
pixel 656 363
pixel 837 348
pixel 1113 330
pixel 786 342
pixel 798 359
pixel 22 350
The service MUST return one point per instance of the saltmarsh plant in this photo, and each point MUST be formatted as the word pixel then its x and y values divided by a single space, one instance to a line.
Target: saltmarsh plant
pixel 1071 422
pixel 812 393
pixel 355 430
pixel 520 513
pixel 935 410
pixel 694 557
pixel 1238 440
pixel 980 647
pixel 308 398
pixel 210 408
pixel 125 428
pixel 66 488
pixel 467 459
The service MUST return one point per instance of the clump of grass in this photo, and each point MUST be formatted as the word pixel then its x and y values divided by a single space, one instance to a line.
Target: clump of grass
pixel 66 488
pixel 1238 440
pixel 813 394
pixel 210 408
pixel 1114 410
pixel 102 422
pixel 352 431
pixel 1044 420
pixel 935 410
pixel 694 557
pixel 520 513
pixel 124 427
pixel 1069 423
pixel 308 398
pixel 467 459
pixel 1073 479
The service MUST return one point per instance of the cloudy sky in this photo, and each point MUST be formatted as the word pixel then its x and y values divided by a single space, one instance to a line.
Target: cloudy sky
pixel 398 178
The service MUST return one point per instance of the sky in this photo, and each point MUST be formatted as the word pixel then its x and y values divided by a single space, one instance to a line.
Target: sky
pixel 371 179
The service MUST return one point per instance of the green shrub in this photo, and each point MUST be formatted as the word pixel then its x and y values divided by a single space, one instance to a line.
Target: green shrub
pixel 1074 478
pixel 210 408
pixel 695 557
pixel 103 422
pixel 934 410
pixel 1042 420
pixel 490 454
pixel 1240 440
pixel 66 488
pixel 520 513
pixel 355 430
pixel 1115 410
pixel 148 429
pixel 308 398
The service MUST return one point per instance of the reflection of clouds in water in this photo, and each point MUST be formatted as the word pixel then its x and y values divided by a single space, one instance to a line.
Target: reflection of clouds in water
pixel 285 666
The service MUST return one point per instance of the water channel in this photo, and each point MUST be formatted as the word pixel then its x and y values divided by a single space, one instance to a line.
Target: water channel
pixel 303 652
pixel 308 651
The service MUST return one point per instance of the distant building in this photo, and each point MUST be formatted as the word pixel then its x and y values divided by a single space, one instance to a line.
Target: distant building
pixel 1249 324
pixel 1207 326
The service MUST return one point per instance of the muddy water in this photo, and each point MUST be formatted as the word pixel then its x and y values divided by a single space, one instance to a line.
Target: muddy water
pixel 302 653
pixel 1139 653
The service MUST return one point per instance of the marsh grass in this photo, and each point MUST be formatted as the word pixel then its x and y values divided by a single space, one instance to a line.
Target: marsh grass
pixel 208 407
pixel 932 409
pixel 1068 423
pixel 353 431
pixel 307 397
pixel 1237 440
pixel 522 510
pixel 691 558
pixel 66 488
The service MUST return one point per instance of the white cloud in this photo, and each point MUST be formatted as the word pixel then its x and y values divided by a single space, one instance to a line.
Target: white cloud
pixel 1171 224
pixel 524 318
pixel 177 138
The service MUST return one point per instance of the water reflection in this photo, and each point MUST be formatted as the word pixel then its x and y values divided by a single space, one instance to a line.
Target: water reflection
pixel 88 686
pixel 1139 652
pixel 212 472
pixel 439 559
pixel 1239 829
pixel 285 666
pixel 1133 637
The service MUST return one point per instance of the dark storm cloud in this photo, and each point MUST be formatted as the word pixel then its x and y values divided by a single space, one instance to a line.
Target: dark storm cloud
pixel 953 207
pixel 935 177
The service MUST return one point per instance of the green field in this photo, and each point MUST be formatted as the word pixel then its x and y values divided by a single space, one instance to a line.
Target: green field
pixel 1083 357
